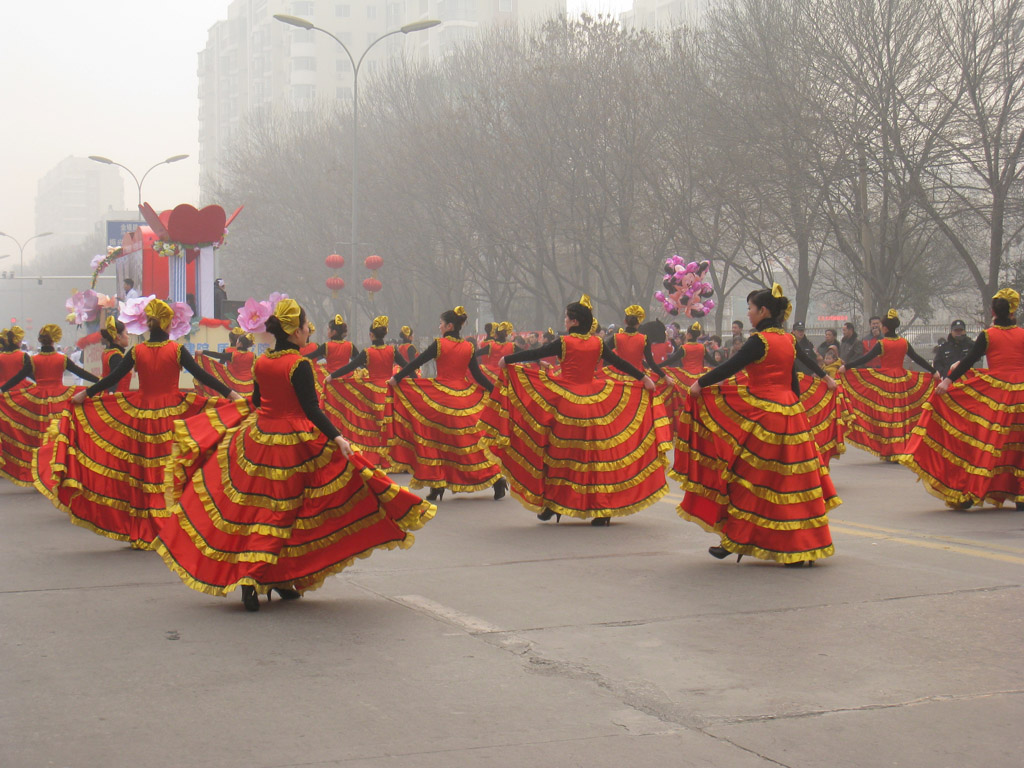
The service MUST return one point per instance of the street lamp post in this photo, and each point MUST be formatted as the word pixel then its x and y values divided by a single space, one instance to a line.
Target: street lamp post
pixel 416 26
pixel 138 181
pixel 21 260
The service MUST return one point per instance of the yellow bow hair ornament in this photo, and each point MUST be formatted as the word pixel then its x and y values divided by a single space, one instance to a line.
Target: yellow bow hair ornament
pixel 1010 295
pixel 111 326
pixel 788 311
pixel 312 327
pixel 506 327
pixel 593 325
pixel 892 314
pixel 696 327
pixel 406 331
pixel 236 331
pixel 288 312
pixel 338 320
pixel 250 338
pixel 585 301
pixel 53 331
pixel 17 333
pixel 551 332
pixel 380 322
pixel 4 332
pixel 161 312
pixel 635 310
pixel 460 311
pixel 777 291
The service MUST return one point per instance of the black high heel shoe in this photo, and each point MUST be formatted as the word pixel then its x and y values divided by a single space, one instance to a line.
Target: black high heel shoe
pixel 500 489
pixel 250 599
pixel 599 521
pixel 720 553
pixel 284 593
pixel 436 494
pixel 547 514
pixel 1020 506
pixel 800 564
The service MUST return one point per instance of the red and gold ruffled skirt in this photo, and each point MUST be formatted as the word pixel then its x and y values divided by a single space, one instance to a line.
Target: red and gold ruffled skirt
pixel 103 461
pixel 25 415
pixel 272 503
pixel 437 435
pixel 882 409
pixel 824 408
pixel 585 450
pixel 222 373
pixel 968 445
pixel 754 475
pixel 361 409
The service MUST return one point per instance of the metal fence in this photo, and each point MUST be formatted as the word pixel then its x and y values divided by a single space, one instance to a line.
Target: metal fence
pixel 924 338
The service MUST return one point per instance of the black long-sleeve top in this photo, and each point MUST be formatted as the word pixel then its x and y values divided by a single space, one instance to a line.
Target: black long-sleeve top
pixel 977 352
pixel 187 362
pixel 753 350
pixel 359 361
pixel 305 390
pixel 430 353
pixel 224 357
pixel 554 349
pixel 648 356
pixel 26 370
pixel 877 350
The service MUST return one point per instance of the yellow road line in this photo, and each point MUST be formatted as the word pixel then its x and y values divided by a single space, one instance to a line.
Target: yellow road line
pixel 929 545
pixel 916 535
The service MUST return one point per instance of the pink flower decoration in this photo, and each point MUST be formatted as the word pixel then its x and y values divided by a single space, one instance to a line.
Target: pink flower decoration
pixel 274 298
pixel 181 323
pixel 84 306
pixel 252 316
pixel 133 315
pixel 96 261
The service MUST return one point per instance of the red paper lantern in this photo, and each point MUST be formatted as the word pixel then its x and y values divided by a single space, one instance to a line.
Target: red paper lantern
pixel 373 263
pixel 335 283
pixel 372 284
pixel 335 261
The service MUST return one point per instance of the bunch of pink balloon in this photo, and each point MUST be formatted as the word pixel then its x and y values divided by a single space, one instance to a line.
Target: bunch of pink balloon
pixel 686 290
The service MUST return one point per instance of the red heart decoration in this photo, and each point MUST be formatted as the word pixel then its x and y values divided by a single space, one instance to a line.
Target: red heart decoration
pixel 190 226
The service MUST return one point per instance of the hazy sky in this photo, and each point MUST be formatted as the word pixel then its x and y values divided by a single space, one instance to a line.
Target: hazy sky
pixel 107 77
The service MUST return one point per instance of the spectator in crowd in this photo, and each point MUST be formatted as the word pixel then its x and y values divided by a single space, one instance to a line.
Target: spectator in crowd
pixel 737 329
pixel 830 340
pixel 715 353
pixel 802 342
pixel 830 360
pixel 129 289
pixel 220 295
pixel 849 345
pixel 953 349
pixel 874 335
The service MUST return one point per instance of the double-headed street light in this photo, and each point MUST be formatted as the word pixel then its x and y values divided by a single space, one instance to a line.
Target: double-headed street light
pixel 138 181
pixel 21 259
pixel 416 26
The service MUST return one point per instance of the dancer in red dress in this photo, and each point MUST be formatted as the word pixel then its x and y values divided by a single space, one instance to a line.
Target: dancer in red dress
pixel 495 347
pixel 103 462
pixel 336 352
pixel 885 403
pixel 115 337
pixel 361 406
pixel 26 412
pixel 275 499
pixel 632 345
pixel 691 354
pixel 406 347
pixel 754 474
pixel 573 444
pixel 233 366
pixel 12 357
pixel 968 446
pixel 437 429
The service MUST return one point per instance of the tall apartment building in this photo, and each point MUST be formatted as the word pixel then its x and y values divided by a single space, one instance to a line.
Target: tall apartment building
pixel 253 62
pixel 72 198
pixel 659 14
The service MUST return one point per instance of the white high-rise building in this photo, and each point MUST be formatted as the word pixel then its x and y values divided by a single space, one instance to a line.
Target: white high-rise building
pixel 661 14
pixel 253 62
pixel 71 200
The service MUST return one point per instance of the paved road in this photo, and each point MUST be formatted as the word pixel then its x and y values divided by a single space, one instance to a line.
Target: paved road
pixel 501 641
